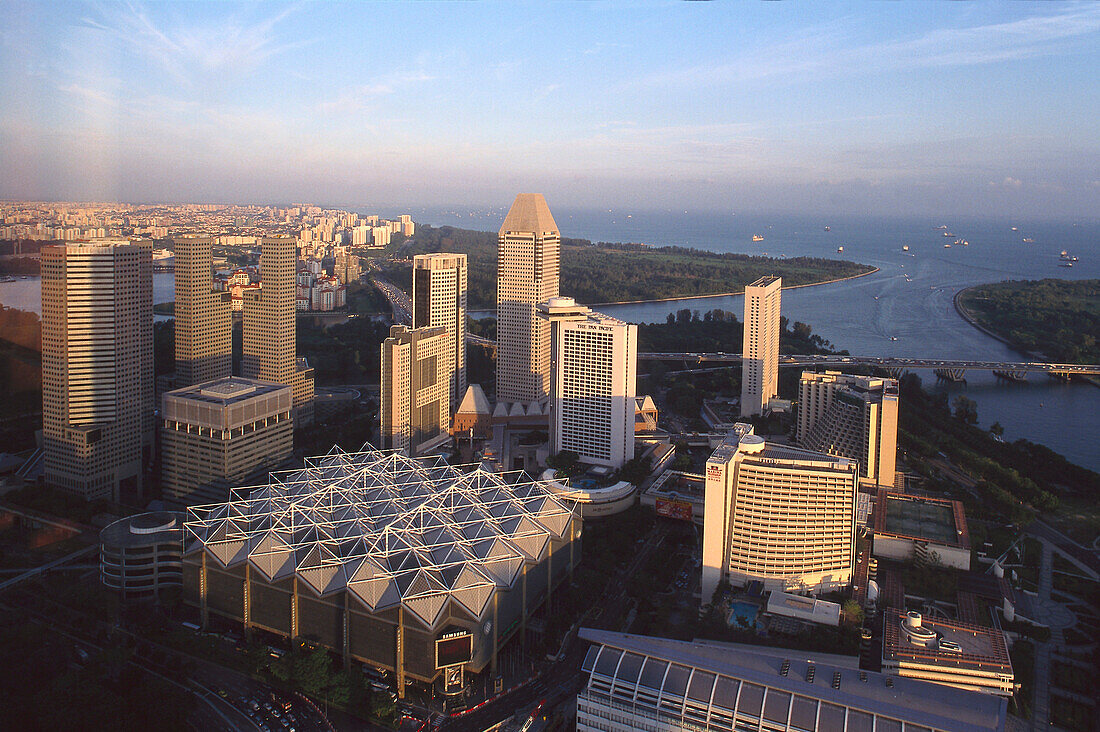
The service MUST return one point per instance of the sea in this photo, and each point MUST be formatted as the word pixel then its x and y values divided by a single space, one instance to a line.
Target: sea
pixel 904 309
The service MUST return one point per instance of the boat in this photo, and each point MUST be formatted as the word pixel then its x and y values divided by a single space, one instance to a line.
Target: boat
pixel 948 233
pixel 827 229
pixel 1028 240
pixel 1066 264
pixel 893 338
pixel 964 242
pixel 946 246
pixel 1064 254
pixel 905 247
pixel 7 278
pixel 839 250
pixel 942 226
pixel 1014 228
pixel 757 237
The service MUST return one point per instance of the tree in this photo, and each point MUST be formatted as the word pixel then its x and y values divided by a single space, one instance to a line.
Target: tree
pixel 997 429
pixel 671 319
pixel 853 612
pixel 683 315
pixel 565 462
pixel 966 409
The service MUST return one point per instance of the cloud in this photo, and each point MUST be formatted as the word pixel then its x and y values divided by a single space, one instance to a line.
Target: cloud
pixel 186 50
pixel 827 50
pixel 363 95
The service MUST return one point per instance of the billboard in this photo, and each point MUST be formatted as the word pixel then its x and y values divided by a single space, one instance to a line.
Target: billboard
pixel 454 649
pixel 674 509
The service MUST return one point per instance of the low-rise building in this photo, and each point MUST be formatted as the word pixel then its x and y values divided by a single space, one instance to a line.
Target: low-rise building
pixel 949 652
pixel 921 529
pixel 140 555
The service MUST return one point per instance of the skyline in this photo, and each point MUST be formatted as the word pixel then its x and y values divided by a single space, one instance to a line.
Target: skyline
pixel 947 109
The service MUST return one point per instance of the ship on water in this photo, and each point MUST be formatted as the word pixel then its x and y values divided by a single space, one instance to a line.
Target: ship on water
pixel 757 237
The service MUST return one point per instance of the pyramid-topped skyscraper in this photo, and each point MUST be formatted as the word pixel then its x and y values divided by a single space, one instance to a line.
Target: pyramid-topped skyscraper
pixel 528 263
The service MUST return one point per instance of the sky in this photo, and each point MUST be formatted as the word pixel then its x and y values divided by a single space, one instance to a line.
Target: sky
pixel 982 109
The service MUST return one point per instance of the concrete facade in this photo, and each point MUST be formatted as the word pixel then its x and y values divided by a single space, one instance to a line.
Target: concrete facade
pixel 760 345
pixel 415 390
pixel 439 300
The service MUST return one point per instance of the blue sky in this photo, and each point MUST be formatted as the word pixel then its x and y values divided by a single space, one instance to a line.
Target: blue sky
pixel 955 108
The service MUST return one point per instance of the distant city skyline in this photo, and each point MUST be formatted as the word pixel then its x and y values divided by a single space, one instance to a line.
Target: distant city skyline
pixel 953 109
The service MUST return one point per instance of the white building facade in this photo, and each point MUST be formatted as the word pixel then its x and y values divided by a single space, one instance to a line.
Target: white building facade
pixel 760 345
pixel 594 360
pixel 439 300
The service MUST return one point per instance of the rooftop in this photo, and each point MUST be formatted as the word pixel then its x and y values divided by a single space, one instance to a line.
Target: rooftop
pixel 921 517
pixel 529 214
pixel 644 661
pixel 982 648
pixel 223 392
pixel 389 529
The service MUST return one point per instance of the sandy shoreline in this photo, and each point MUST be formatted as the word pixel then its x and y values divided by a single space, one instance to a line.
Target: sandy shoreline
pixel 738 292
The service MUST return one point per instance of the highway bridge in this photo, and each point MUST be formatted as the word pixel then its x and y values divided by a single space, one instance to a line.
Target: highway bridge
pixel 951 370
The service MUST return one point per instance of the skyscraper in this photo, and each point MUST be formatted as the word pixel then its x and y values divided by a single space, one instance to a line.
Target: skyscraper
pixel 203 329
pixel 270 328
pixel 528 260
pixel 594 360
pixel 778 514
pixel 853 416
pixel 439 300
pixel 97 366
pixel 414 413
pixel 760 345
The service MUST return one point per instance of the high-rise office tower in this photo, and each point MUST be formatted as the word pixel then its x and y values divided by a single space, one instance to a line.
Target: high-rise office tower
pixel 439 300
pixel 97 366
pixel 778 514
pixel 270 328
pixel 760 345
pixel 594 360
pixel 216 435
pixel 203 329
pixel 415 392
pixel 528 260
pixel 853 416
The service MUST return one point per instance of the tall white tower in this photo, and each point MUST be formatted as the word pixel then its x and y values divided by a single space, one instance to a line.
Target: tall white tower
pixel 439 300
pixel 760 345
pixel 593 379
pixel 528 261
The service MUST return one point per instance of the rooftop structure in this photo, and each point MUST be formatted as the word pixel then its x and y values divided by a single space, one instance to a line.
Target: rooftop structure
pixel 140 555
pixel 637 682
pixel 474 413
pixel 804 608
pixel 949 652
pixel 922 529
pixel 398 547
pixel 675 494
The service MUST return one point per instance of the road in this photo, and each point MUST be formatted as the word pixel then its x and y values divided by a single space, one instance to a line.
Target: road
pixel 399 301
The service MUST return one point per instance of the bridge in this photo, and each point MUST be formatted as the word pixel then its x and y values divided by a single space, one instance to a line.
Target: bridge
pixel 947 369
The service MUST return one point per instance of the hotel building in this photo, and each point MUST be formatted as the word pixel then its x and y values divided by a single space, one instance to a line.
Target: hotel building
pixel 203 316
pixel 634 682
pixel 594 360
pixel 852 416
pixel 270 328
pixel 528 261
pixel 219 434
pixel 415 413
pixel 97 366
pixel 778 514
pixel 439 300
pixel 760 345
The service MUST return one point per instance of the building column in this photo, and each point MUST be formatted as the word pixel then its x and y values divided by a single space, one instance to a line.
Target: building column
pixel 204 610
pixel 248 599
pixel 549 571
pixel 294 607
pixel 347 639
pixel 399 661
pixel 496 634
pixel 523 611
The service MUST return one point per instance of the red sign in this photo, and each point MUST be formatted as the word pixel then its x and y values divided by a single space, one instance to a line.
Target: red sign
pixel 674 509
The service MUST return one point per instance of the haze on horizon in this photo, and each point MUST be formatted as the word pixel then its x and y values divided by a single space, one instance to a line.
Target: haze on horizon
pixel 930 108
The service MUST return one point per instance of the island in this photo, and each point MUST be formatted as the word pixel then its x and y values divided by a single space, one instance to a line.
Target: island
pixel 1052 320
pixel 603 273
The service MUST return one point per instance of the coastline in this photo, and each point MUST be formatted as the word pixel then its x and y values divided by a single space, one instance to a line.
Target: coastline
pixel 871 271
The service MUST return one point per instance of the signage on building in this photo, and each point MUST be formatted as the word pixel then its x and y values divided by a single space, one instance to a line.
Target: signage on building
pixel 674 509
pixel 454 649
